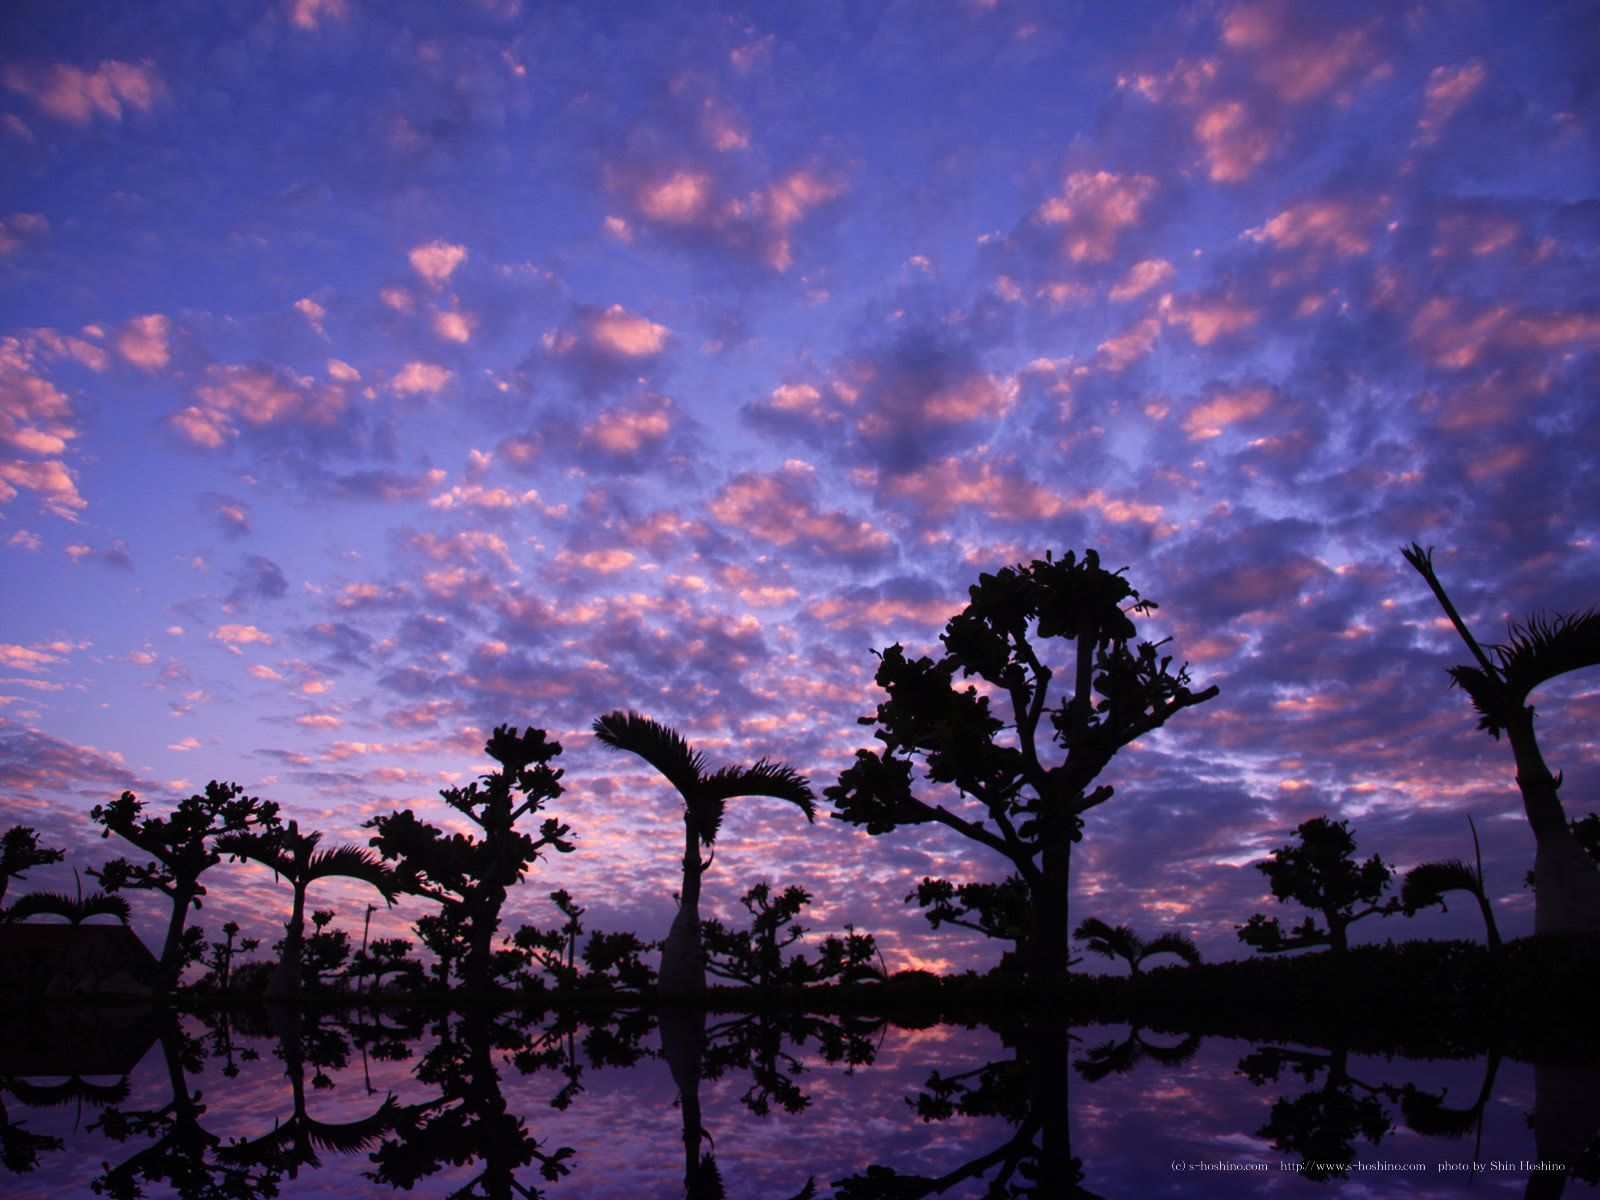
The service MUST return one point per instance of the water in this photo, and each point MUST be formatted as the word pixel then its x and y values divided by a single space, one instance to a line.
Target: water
pixel 441 1106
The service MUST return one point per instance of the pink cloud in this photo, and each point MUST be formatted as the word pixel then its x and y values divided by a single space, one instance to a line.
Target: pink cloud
pixel 35 418
pixel 620 332
pixel 1234 140
pixel 1121 352
pixel 1208 420
pixel 1094 209
pixel 1208 319
pixel 1341 227
pixel 310 14
pixel 781 507
pixel 143 341
pixel 1448 89
pixel 1298 62
pixel 1142 277
pixel 624 432
pixel 953 483
pixel 53 482
pixel 257 396
pixel 417 378
pixel 436 261
pixel 74 95
pixel 22 229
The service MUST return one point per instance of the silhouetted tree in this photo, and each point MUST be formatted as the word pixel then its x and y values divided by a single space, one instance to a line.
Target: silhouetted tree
pixel 1426 884
pixel 1321 874
pixel 183 846
pixel 1027 810
pixel 74 909
pixel 997 910
pixel 20 851
pixel 1567 899
pixel 468 877
pixel 705 796
pixel 609 961
pixel 755 955
pixel 1122 942
pixel 295 856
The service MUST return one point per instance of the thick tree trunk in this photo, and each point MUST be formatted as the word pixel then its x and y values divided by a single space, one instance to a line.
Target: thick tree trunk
pixel 683 1044
pixel 683 959
pixel 1046 952
pixel 1566 880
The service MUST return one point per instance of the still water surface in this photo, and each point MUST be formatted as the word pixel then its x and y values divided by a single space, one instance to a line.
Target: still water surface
pixel 441 1106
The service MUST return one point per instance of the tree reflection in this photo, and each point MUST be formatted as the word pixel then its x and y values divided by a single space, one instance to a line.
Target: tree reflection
pixel 1028 1092
pixel 469 1123
pixel 1319 1127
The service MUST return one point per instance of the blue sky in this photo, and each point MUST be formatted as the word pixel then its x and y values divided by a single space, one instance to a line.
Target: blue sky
pixel 372 375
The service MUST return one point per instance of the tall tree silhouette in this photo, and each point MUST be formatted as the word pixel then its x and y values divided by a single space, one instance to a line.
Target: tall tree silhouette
pixel 1026 809
pixel 705 796
pixel 295 856
pixel 1567 894
pixel 182 846
pixel 469 877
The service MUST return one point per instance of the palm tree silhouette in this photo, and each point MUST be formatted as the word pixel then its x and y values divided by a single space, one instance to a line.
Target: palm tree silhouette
pixel 1426 884
pixel 705 795
pixel 294 855
pixel 1123 942
pixel 1567 894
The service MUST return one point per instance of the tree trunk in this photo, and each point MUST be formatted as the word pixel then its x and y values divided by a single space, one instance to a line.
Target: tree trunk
pixel 285 979
pixel 683 1044
pixel 172 949
pixel 683 959
pixel 1046 952
pixel 1566 880
pixel 485 919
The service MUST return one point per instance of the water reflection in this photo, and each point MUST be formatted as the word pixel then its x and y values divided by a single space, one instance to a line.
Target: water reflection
pixel 779 1105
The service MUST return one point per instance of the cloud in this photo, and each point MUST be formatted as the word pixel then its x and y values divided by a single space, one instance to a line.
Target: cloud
pixel 257 397
pixel 36 419
pixel 310 14
pixel 1209 419
pixel 231 514
pixel 114 555
pixel 74 95
pixel 782 507
pixel 234 636
pixel 696 205
pixel 1448 89
pixel 258 579
pixel 1142 277
pixel 416 378
pixel 436 261
pixel 1093 211
pixel 22 230
pixel 54 483
pixel 143 341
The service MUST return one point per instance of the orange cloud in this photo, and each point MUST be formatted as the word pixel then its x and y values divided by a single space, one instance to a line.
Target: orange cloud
pixel 416 378
pixel 1141 277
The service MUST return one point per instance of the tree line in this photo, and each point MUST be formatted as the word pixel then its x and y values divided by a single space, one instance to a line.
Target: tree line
pixel 1009 760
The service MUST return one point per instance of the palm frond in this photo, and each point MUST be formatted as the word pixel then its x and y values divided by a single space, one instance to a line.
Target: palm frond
pixel 1425 885
pixel 661 747
pixel 766 778
pixel 355 862
pixel 1546 646
pixel 266 849
pixel 1180 944
pixel 1109 942
pixel 76 910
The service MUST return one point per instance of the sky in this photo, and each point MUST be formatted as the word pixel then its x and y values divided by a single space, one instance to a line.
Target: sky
pixel 372 375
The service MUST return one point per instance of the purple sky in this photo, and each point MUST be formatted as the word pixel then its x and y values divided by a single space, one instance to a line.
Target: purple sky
pixel 371 375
